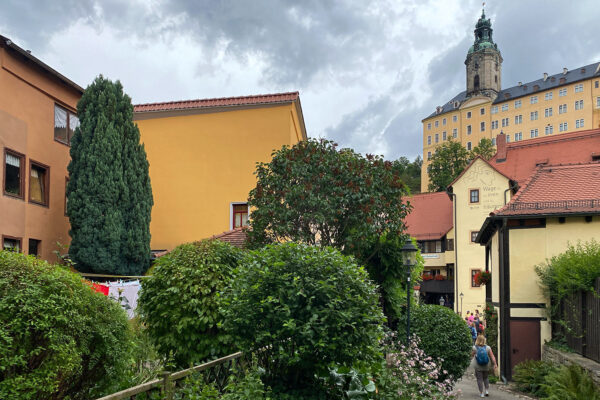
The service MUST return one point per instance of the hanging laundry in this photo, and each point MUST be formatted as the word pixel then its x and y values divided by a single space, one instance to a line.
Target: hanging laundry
pixel 98 287
pixel 126 293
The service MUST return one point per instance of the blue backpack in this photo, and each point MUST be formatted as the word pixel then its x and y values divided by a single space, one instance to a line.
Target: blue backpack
pixel 482 356
pixel 473 332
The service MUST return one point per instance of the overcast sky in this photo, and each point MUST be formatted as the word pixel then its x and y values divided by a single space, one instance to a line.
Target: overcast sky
pixel 368 72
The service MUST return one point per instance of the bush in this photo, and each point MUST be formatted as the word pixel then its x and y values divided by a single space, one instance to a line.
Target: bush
pixel 570 383
pixel 530 375
pixel 315 307
pixel 58 338
pixel 179 304
pixel 490 315
pixel 443 335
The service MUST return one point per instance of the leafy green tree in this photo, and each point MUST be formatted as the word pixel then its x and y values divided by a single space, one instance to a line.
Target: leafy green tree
pixel 313 305
pixel 485 149
pixel 448 161
pixel 179 303
pixel 59 339
pixel 109 192
pixel 411 173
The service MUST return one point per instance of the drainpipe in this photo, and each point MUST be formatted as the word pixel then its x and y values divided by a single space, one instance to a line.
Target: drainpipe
pixel 453 197
pixel 510 187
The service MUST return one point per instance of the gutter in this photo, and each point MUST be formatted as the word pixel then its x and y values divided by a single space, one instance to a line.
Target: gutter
pixel 456 299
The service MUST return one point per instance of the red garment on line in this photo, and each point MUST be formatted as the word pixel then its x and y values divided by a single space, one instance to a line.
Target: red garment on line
pixel 100 288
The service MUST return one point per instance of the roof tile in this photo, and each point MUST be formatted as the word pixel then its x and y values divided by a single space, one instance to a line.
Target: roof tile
pixel 431 216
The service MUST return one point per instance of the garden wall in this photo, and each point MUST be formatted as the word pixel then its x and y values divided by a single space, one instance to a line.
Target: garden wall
pixel 560 357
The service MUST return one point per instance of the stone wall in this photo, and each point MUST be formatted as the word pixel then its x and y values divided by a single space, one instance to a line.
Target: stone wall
pixel 561 357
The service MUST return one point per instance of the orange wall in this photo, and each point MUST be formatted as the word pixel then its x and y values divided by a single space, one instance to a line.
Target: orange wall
pixel 201 163
pixel 27 126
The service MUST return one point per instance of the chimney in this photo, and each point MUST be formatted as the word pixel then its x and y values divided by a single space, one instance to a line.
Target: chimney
pixel 501 147
pixel 565 71
pixel 545 76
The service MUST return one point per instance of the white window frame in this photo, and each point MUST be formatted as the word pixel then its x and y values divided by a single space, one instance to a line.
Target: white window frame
pixel 518 103
pixel 533 99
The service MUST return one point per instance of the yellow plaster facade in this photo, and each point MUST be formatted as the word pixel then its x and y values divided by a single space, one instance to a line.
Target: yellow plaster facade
pixel 202 162
pixel 470 256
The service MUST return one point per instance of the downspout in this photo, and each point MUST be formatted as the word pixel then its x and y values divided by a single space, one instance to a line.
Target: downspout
pixel 510 187
pixel 456 299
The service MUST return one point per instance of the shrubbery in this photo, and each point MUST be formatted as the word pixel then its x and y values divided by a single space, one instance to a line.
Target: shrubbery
pixel 443 335
pixel 530 376
pixel 549 381
pixel 58 338
pixel 179 304
pixel 315 307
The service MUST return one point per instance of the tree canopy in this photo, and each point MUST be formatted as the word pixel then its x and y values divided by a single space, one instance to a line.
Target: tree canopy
pixel 109 192
pixel 448 161
pixel 485 149
pixel 411 173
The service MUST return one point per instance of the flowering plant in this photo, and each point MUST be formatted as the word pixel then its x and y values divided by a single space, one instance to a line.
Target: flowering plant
pixel 417 375
pixel 483 278
pixel 427 277
pixel 440 278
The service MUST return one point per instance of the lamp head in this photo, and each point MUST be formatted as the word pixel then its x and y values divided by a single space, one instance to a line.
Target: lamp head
pixel 410 253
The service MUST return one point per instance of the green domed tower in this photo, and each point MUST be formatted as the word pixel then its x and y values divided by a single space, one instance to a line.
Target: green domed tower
pixel 484 62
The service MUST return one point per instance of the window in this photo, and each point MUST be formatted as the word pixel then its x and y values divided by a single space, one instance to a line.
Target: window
pixel 493 141
pixel 14 175
pixel 507 138
pixel 562 92
pixel 483 127
pixel 444 136
pixel 437 137
pixel 468 114
pixel 562 109
pixel 474 196
pixel 429 139
pixel 579 105
pixel 563 127
pixel 533 115
pixel 11 243
pixel 549 130
pixel 474 236
pixel 548 112
pixel 449 244
pixel 495 110
pixel 437 123
pixel 444 121
pixel 518 119
pixel 239 215
pixel 468 129
pixel 38 183
pixel 430 246
pixel 579 88
pixel 65 123
pixel 474 273
pixel 495 124
pixel 598 101
pixel 504 107
pixel 454 118
pixel 429 155
pixel 482 111
pixel 469 146
pixel 518 136
pixel 455 133
pixel 548 96
pixel 517 103
pixel 34 247
pixel 579 123
pixel 504 122
pixel 533 133
pixel 533 99
pixel 429 126
pixel 596 84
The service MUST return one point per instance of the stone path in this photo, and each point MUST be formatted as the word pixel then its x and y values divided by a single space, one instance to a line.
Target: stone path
pixel 468 389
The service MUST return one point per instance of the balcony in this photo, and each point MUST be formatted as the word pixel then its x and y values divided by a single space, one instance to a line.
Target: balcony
pixel 437 286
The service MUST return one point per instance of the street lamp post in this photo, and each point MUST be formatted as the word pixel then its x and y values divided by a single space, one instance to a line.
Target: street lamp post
pixel 461 299
pixel 410 259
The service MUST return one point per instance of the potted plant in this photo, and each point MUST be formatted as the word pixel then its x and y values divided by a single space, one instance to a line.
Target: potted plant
pixel 483 278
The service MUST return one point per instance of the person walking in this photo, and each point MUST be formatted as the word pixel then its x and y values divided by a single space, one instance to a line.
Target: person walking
pixel 483 362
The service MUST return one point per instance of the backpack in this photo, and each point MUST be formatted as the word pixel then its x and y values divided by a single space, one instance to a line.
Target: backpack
pixel 473 332
pixel 482 356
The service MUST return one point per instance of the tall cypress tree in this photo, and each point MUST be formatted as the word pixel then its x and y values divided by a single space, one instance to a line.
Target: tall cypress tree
pixel 109 192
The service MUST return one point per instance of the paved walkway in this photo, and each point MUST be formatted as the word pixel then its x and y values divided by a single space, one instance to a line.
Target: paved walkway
pixel 468 388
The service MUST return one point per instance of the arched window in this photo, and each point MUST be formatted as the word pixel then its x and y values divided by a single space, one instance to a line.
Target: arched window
pixel 476 82
pixel 496 78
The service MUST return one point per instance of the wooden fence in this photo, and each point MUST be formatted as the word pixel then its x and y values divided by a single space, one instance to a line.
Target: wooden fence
pixel 581 315
pixel 216 372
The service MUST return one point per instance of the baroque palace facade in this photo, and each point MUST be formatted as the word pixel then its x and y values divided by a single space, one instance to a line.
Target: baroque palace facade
pixel 554 104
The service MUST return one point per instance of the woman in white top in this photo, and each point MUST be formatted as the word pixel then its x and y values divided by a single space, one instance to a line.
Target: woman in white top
pixel 482 368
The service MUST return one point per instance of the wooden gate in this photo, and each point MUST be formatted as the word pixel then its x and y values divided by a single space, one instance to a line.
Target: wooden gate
pixel 524 341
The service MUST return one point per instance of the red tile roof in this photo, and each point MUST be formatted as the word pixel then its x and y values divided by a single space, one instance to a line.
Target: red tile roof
pixel 235 237
pixel 557 189
pixel 218 102
pixel 523 157
pixel 431 216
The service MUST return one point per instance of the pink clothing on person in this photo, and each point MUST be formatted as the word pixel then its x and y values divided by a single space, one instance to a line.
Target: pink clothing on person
pixel 471 318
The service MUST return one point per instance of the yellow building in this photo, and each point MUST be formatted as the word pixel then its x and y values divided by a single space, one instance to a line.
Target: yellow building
pixel 202 156
pixel 554 104
pixel 550 211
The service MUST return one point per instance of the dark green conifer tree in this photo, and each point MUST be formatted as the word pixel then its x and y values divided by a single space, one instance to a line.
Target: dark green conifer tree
pixel 109 192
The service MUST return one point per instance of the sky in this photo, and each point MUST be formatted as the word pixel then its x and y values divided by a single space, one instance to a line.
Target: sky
pixel 368 72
